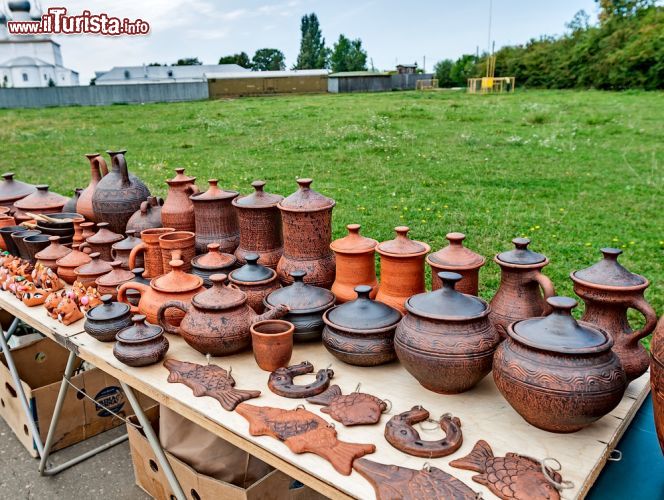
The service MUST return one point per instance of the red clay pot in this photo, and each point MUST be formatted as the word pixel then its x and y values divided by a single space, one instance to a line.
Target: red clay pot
pixel 41 201
pixel 657 379
pixel 272 342
pixel 49 255
pixel 108 283
pixel 151 251
pixel 212 262
pixel 88 273
pixel 98 169
pixel 122 249
pixel 456 258
pixel 6 220
pixel 356 264
pixel 12 190
pixel 216 219
pixel 183 242
pixel 178 210
pixel 148 216
pixel 68 264
pixel 102 241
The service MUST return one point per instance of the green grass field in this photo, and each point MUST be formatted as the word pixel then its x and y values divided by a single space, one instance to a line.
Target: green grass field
pixel 573 171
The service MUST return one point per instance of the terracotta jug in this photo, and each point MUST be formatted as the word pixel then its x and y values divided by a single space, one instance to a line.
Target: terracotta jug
pixel 216 219
pixel 118 195
pixel 70 206
pixel 260 226
pixel 657 379
pixel 102 241
pixel 401 269
pixel 12 190
pixel 178 209
pixel 518 296
pixel 151 251
pixel 49 255
pixel 609 290
pixel 146 217
pixel 41 201
pixel 68 264
pixel 307 231
pixel 122 249
pixel 356 265
pixel 456 258
pixel 98 169
pixel 183 242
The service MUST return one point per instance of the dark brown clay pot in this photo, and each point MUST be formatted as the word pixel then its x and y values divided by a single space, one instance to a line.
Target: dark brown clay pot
pixel 6 233
pixel 148 216
pixel 216 219
pixel 34 244
pixel 183 242
pixel 106 320
pixel 178 210
pixel 446 340
pixel 41 201
pixel 272 343
pixel 109 283
pixel 12 190
pixel 518 296
pixel 49 255
pixel 260 226
pixel 141 344
pixel 456 258
pixel 401 269
pixel 102 241
pixel 307 233
pixel 355 264
pixel 98 169
pixel 122 249
pixel 255 280
pixel 212 262
pixel 361 331
pixel 151 251
pixel 217 320
pixel 118 194
pixel 608 291
pixel 18 238
pixel 68 264
pixel 657 379
pixel 88 273
pixel 70 205
pixel 134 296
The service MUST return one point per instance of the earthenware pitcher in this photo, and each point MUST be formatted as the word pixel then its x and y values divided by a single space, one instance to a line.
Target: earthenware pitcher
pixel 356 265
pixel 456 258
pixel 216 219
pixel 657 379
pixel 178 210
pixel 98 169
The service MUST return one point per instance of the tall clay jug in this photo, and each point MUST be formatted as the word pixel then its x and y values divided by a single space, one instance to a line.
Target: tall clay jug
pixel 216 219
pixel 118 195
pixel 98 169
pixel 355 263
pixel 657 379
pixel 178 209
pixel 608 290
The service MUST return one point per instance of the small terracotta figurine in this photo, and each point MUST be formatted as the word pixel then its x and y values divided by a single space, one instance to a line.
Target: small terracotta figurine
pixel 34 298
pixel 68 311
pixel 52 301
pixel 356 408
pixel 281 381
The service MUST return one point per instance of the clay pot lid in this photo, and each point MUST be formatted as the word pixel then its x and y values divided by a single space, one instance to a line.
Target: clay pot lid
pixel 446 302
pixel 108 310
pixel 74 258
pixel 402 246
pixel 456 255
pixel 560 332
pixel 176 280
pixel 521 255
pixel 96 266
pixel 11 189
pixel 116 276
pixel 138 277
pixel 139 332
pixel 213 259
pixel 214 193
pixel 104 236
pixel 42 199
pixel 128 243
pixel 301 297
pixel 259 198
pixel 609 272
pixel 219 296
pixel 54 251
pixel 252 271
pixel 180 178
pixel 306 199
pixel 353 242
pixel 363 313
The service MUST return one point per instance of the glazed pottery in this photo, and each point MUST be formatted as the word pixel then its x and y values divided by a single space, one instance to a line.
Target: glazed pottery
pixel 41 201
pixel 102 241
pixel 122 249
pixel 306 305
pixel 657 379
pixel 141 344
pixel 34 244
pixel 560 375
pixel 78 231
pixel 355 264
pixel 174 285
pixel 5 221
pixel 178 209
pixel 446 340
pixel 272 343
pixel 255 280
pixel 98 169
pixel 217 320
pixel 6 233
pixel 108 283
pixel 307 232
pixel 150 250
pixel 12 190
pixel 260 226
pixel 401 269
pixel 148 216
pixel 105 321
pixel 49 255
pixel 70 206
pixel 457 259
pixel 68 264
pixel 183 242
pixel 88 273
pixel 216 219
pixel 118 194
pixel 134 296
pixel 361 332
pixel 18 241
pixel 608 291
pixel 518 296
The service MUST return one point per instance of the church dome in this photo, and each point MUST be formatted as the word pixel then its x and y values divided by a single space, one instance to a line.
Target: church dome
pixel 19 5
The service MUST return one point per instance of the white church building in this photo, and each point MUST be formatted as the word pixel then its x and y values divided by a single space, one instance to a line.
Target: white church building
pixel 30 60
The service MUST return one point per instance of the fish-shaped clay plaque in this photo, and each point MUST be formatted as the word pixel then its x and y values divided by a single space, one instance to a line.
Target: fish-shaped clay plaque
pixel 356 408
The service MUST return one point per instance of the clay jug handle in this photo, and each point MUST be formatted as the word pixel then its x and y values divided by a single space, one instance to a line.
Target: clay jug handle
pixel 85 246
pixel 122 291
pixel 642 305
pixel 114 253
pixel 547 287
pixel 101 164
pixel 141 247
pixel 161 315
pixel 193 189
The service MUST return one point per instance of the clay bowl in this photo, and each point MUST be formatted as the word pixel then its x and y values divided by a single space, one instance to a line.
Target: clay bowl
pixel 61 222
pixel 18 241
pixel 272 342
pixel 6 233
pixel 34 244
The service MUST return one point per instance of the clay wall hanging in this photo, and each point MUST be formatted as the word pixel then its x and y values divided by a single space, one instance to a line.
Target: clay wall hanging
pixel 356 408
pixel 281 381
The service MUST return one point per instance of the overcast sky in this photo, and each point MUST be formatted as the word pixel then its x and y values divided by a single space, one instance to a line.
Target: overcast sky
pixel 391 30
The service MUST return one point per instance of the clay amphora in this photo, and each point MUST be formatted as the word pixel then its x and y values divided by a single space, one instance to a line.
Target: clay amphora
pixel 88 273
pixel 307 232
pixel 98 169
pixel 70 205
pixel 151 251
pixel 102 241
pixel 12 190
pixel 148 216
pixel 260 226
pixel 182 242
pixel 122 249
pixel 216 219
pixel 108 283
pixel 518 296
pixel 657 379
pixel 41 201
pixel 401 269
pixel 178 210
pixel 118 195
pixel 255 280
pixel 68 264
pixel 141 344
pixel 609 290
pixel 456 258
pixel 49 255
pixel 272 343
pixel 355 264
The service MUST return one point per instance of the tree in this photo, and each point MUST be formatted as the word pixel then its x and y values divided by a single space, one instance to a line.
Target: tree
pixel 464 68
pixel 614 9
pixel 188 61
pixel 241 59
pixel 348 55
pixel 156 64
pixel 579 22
pixel 443 71
pixel 313 53
pixel 268 60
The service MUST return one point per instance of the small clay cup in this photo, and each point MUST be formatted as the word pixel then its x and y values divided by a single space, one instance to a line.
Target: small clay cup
pixel 6 233
pixel 20 245
pixel 272 342
pixel 182 241
pixel 34 244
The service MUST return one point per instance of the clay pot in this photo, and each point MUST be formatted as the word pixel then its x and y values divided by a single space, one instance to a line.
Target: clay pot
pixel 657 379
pixel 68 264
pixel 272 343
pixel 306 306
pixel 88 229
pixel 34 244
pixel 216 219
pixel 518 296
pixel 122 249
pixel 260 226
pixel 118 194
pixel 106 320
pixel 608 291
pixel 148 216
pixel 560 375
pixel 141 344
pixel 5 221
pixel 178 210
pixel 255 280
pixel 217 320
pixel 361 331
pixel 49 255
pixel 102 241
pixel 12 190
pixel 212 262
pixel 88 273
pixel 6 233
pixel 70 206
pixel 108 283
pixel 18 237
pixel 41 201
pixel 456 258
pixel 401 269
pixel 98 169
pixel 174 285
pixel 307 233
pixel 133 296
pixel 150 250
pixel 356 265
pixel 183 242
